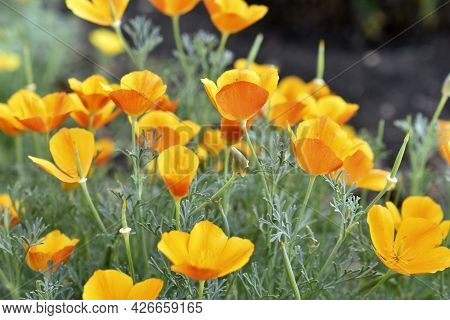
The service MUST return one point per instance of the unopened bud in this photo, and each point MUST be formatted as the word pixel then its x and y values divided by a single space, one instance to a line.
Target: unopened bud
pixel 446 87
pixel 239 162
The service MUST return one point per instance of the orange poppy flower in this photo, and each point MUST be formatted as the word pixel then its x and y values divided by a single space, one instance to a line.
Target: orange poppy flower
pixel 139 92
pixel 105 149
pixel 91 92
pixel 232 16
pixel 11 209
pixel 41 115
pixel 55 248
pixel 174 7
pixel 290 103
pixel 318 88
pixel 414 249
pixel 260 69
pixel 232 131
pixel 419 207
pixel 333 107
pixel 444 140
pixel 93 119
pixel 100 12
pixel 206 253
pixel 177 166
pixel 320 146
pixel 164 129
pixel 240 94
pixel 115 285
pixel 64 146
pixel 165 104
pixel 8 123
pixel 213 141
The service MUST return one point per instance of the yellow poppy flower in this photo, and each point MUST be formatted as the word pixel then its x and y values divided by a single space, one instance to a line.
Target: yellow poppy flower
pixel 240 94
pixel 9 61
pixel 206 253
pixel 101 12
pixel 414 249
pixel 11 209
pixel 444 140
pixel 260 69
pixel 94 119
pixel 318 88
pixel 105 149
pixel 115 285
pixel 213 141
pixel 106 41
pixel 174 7
pixel 139 92
pixel 8 123
pixel 232 16
pixel 333 107
pixel 202 153
pixel 41 115
pixel 177 166
pixel 55 248
pixel 164 129
pixel 91 92
pixel 419 207
pixel 290 103
pixel 359 169
pixel 65 145
pixel 320 146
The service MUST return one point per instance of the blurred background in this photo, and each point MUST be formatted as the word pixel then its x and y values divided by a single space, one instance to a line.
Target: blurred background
pixel 389 56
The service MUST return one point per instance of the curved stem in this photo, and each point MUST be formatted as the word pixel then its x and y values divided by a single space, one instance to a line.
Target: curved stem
pixel 219 52
pixel 300 217
pixel 290 272
pixel 201 288
pixel 382 280
pixel 92 206
pixel 179 43
pixel 226 162
pixel 330 259
pixel 118 30
pixel 225 220
pixel 126 238
pixel 178 213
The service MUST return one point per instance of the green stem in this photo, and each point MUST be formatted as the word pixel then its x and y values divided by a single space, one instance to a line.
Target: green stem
pixel 37 144
pixel 290 272
pixel 219 52
pixel 254 50
pixel 28 66
pixel 118 30
pixel 92 207
pixel 126 238
pixel 300 217
pixel 9 285
pixel 226 162
pixel 331 257
pixel 321 60
pixel 201 288
pixel 217 194
pixel 178 213
pixel 225 220
pixel 18 141
pixel 382 280
pixel 179 43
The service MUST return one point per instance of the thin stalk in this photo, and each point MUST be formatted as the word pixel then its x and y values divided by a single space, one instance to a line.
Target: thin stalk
pixel 217 194
pixel 332 256
pixel 91 122
pixel 254 50
pixel 225 219
pixel 92 207
pixel 179 43
pixel 290 272
pixel 118 30
pixel 220 50
pixel 177 213
pixel 125 231
pixel 18 141
pixel 226 162
pixel 37 144
pixel 321 60
pixel 28 67
pixel 138 185
pixel 201 288
pixel 300 217
pixel 382 280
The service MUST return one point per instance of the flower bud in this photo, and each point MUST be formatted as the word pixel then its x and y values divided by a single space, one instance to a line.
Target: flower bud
pixel 446 87
pixel 239 162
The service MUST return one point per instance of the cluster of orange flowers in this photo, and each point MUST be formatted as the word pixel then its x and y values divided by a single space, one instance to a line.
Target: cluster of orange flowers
pixel 322 144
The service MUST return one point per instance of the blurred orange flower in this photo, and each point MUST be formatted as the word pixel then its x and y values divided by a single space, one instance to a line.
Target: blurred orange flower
pixel 55 248
pixel 11 209
pixel 416 246
pixel 444 140
pixel 101 12
pixel 320 146
pixel 92 92
pixel 105 149
pixel 41 115
pixel 240 94
pixel 333 107
pixel 93 119
pixel 115 285
pixel 139 92
pixel 65 146
pixel 213 141
pixel 174 7
pixel 206 253
pixel 165 104
pixel 166 130
pixel 232 16
pixel 8 123
pixel 177 166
